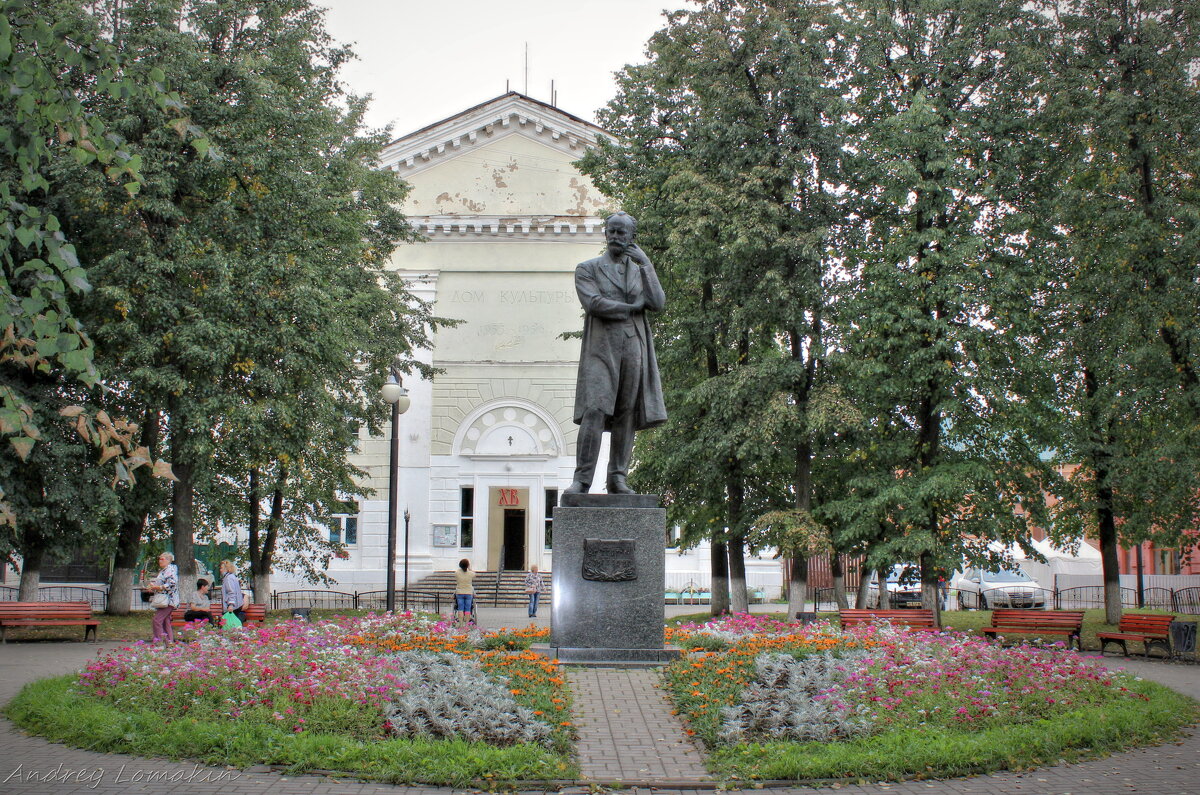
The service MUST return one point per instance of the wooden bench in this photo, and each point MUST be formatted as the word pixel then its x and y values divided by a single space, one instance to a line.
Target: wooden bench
pixel 255 614
pixel 1149 630
pixel 48 614
pixel 910 619
pixel 1037 622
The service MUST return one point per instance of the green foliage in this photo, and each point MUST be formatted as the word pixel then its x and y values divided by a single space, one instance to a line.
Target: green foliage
pixel 53 61
pixel 939 352
pixel 245 299
pixel 728 145
pixel 1121 133
pixel 505 641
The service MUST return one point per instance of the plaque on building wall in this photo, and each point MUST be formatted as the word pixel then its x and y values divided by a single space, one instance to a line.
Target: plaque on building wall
pixel 445 535
pixel 608 560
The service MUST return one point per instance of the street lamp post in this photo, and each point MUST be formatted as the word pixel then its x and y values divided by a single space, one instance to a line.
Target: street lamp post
pixel 394 392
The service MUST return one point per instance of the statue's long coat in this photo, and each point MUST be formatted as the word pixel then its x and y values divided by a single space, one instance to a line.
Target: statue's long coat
pixel 601 293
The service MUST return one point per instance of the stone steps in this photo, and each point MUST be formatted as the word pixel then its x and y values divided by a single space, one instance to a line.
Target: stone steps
pixel 508 592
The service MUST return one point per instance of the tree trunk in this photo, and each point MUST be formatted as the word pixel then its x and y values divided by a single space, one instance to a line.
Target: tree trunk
pixel 183 521
pixel 1107 527
pixel 182 528
pixel 797 588
pixel 33 554
pixel 739 599
pixel 839 580
pixel 129 534
pixel 720 579
pixel 864 587
pixel 930 598
pixel 120 585
pixel 262 588
pixel 1106 524
pixel 736 547
pixel 262 554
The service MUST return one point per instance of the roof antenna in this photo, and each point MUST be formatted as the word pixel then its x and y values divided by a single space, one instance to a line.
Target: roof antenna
pixel 526 68
pixel 506 88
pixel 553 96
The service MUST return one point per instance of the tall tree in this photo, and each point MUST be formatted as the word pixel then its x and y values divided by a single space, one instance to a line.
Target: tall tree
pixel 1121 244
pixel 243 299
pixel 729 155
pixel 52 58
pixel 942 341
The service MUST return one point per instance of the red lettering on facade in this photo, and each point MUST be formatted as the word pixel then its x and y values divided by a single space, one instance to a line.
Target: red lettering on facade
pixel 509 497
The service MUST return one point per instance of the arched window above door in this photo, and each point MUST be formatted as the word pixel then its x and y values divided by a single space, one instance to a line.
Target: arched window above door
pixel 506 429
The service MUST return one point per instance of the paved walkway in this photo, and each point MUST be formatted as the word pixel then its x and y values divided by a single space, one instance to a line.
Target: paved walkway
pixel 627 732
pixel 613 747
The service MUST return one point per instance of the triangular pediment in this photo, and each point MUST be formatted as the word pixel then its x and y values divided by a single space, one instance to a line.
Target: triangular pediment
pixel 510 158
pixel 512 112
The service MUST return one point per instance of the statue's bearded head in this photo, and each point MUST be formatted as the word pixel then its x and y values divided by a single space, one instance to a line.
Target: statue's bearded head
pixel 619 231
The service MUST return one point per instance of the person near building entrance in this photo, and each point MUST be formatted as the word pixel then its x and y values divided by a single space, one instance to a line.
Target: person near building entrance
pixel 464 591
pixel 617 387
pixel 535 586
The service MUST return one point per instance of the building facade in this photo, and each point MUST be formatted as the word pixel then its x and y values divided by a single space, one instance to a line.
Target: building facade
pixel 487 444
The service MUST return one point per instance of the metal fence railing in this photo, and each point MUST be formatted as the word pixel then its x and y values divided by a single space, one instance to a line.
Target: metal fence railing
pixel 419 601
pixel 1181 600
pixel 321 600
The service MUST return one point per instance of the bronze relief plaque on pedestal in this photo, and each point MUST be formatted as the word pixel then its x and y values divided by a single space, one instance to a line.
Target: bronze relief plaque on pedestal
pixel 609 560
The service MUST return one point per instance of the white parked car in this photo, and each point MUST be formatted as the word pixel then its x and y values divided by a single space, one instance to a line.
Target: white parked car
pixel 903 586
pixel 988 589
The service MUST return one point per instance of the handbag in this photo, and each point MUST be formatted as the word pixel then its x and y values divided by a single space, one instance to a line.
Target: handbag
pixel 159 599
pixel 230 620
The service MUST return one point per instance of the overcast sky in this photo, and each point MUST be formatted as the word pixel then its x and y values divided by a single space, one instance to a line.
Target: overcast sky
pixel 424 61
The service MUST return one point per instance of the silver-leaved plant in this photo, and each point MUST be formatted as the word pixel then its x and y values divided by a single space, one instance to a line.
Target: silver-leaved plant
pixel 448 696
pixel 792 699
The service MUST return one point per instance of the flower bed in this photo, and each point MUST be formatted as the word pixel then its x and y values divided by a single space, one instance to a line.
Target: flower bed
pixel 399 698
pixel 761 701
pixel 295 675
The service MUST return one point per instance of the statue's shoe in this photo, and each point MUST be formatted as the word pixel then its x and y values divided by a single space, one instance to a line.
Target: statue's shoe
pixel 617 485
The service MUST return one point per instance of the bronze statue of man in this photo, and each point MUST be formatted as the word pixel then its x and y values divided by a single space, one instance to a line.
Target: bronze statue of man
pixel 617 388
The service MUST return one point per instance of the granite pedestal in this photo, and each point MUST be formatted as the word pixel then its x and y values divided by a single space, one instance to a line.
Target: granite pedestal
pixel 609 563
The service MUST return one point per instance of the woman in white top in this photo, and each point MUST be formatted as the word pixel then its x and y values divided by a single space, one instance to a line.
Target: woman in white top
pixel 167 584
pixel 464 590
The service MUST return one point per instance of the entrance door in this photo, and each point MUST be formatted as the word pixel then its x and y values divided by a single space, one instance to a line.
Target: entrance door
pixel 514 539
